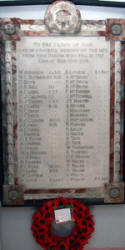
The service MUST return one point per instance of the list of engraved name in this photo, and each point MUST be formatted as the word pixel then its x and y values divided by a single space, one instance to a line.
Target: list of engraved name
pixel 63 95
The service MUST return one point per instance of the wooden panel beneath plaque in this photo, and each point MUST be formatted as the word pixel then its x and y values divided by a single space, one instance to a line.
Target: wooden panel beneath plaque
pixel 62 94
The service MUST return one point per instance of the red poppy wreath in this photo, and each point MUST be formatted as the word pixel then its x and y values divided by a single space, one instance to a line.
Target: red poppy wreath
pixel 74 237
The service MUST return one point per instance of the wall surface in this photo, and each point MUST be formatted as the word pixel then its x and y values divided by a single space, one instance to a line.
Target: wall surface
pixel 15 223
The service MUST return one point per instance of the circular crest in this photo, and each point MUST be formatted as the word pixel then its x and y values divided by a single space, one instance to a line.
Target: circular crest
pixel 116 29
pixel 9 29
pixel 115 192
pixel 63 17
pixel 13 195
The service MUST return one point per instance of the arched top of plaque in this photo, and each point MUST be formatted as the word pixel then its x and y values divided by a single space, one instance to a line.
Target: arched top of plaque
pixel 63 17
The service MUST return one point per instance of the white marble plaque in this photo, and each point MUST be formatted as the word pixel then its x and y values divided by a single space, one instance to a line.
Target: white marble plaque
pixel 63 88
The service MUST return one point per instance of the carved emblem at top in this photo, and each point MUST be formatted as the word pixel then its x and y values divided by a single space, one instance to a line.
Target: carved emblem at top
pixel 63 17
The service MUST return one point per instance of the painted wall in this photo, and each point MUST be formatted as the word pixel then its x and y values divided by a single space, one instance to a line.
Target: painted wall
pixel 15 223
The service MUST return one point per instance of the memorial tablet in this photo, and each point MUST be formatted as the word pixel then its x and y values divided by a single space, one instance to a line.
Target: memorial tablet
pixel 63 107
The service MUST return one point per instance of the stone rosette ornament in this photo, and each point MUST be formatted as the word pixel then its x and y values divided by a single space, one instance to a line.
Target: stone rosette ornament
pixel 63 17
pixel 65 236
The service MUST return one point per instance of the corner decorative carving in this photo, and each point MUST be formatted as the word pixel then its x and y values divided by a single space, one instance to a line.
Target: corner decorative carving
pixel 9 29
pixel 114 193
pixel 63 17
pixel 13 195
pixel 115 29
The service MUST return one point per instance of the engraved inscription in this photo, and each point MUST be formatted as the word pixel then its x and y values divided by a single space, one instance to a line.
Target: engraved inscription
pixel 63 86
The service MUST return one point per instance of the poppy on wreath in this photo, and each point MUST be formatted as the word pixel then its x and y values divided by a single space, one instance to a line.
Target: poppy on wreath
pixel 48 235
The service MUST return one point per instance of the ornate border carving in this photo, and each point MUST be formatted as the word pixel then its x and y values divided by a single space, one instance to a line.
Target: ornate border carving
pixel 38 28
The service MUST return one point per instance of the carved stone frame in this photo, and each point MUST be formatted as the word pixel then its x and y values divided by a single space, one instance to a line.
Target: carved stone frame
pixel 11 30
